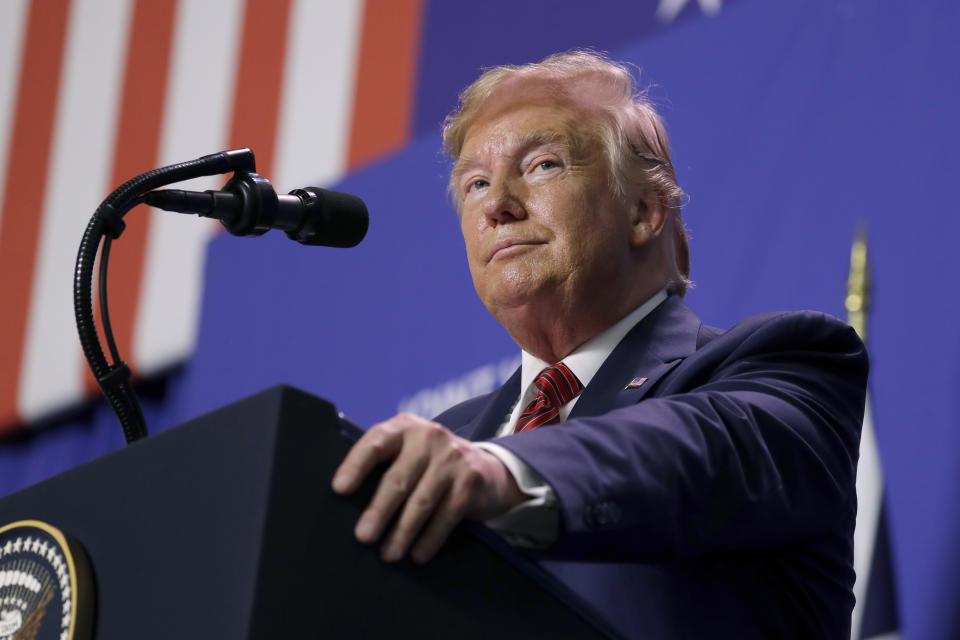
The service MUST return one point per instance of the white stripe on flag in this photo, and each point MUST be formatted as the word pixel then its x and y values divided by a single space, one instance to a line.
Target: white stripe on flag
pixel 13 27
pixel 316 105
pixel 80 164
pixel 869 498
pixel 205 51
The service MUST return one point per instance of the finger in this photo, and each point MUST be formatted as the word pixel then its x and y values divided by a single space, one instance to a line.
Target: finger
pixel 455 504
pixel 419 507
pixel 396 484
pixel 375 446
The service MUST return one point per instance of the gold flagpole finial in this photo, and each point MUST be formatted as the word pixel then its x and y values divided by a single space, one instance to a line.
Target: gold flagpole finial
pixel 858 284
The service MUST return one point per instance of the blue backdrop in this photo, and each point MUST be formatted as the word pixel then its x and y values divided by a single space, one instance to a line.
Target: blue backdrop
pixel 791 122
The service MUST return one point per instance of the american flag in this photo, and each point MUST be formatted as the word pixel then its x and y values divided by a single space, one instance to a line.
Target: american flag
pixel 93 92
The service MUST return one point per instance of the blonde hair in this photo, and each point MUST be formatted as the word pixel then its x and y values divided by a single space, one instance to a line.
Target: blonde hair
pixel 631 131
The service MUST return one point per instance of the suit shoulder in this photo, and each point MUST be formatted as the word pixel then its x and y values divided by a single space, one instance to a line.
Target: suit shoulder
pixel 802 325
pixel 804 322
pixel 787 330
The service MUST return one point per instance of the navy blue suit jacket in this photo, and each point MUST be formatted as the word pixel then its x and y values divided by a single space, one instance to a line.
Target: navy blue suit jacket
pixel 717 499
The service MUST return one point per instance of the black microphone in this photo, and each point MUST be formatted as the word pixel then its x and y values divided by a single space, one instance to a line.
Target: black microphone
pixel 248 206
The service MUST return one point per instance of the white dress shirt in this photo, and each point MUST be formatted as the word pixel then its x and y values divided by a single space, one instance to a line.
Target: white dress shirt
pixel 534 523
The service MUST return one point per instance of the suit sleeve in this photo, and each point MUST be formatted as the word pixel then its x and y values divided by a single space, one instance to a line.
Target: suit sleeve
pixel 751 442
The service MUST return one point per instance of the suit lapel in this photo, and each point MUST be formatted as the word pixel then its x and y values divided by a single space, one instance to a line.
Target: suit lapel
pixel 656 345
pixel 485 424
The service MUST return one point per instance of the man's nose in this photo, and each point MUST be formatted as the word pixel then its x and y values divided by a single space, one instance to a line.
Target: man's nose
pixel 503 204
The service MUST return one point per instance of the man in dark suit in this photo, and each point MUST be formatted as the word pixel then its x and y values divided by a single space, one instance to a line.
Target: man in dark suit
pixel 687 481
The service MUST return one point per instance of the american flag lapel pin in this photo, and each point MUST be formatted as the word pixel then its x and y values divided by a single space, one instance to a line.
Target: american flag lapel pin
pixel 636 383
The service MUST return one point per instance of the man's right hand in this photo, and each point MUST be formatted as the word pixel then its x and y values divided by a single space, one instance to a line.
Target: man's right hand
pixel 435 480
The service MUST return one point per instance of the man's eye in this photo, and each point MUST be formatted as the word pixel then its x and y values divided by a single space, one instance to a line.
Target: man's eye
pixel 477 184
pixel 548 164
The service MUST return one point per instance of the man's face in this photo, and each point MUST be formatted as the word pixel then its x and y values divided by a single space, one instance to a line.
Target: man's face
pixel 538 216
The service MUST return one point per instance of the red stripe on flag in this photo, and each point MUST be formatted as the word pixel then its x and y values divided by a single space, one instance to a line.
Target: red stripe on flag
pixel 386 78
pixel 256 102
pixel 23 199
pixel 136 150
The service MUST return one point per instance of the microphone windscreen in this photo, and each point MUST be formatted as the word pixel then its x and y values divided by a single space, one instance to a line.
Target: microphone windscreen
pixel 334 219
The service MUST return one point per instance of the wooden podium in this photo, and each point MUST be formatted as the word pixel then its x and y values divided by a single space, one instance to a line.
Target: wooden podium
pixel 226 527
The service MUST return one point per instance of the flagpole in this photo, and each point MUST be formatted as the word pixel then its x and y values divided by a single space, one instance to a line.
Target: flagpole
pixel 869 475
pixel 870 525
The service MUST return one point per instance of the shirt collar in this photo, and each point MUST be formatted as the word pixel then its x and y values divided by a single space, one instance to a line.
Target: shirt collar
pixel 586 359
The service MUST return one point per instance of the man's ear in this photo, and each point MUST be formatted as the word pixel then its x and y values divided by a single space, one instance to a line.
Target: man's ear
pixel 650 214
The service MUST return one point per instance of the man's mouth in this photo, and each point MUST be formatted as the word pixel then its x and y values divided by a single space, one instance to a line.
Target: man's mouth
pixel 504 244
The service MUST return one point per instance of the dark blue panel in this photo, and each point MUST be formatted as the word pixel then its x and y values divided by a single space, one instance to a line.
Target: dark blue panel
pixel 462 38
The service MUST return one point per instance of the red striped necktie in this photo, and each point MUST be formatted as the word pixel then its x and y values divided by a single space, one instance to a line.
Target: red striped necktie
pixel 557 386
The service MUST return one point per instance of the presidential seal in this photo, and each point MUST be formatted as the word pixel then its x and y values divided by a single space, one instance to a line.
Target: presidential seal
pixel 46 591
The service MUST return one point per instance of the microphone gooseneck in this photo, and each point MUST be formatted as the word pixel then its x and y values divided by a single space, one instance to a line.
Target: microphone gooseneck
pixel 247 206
